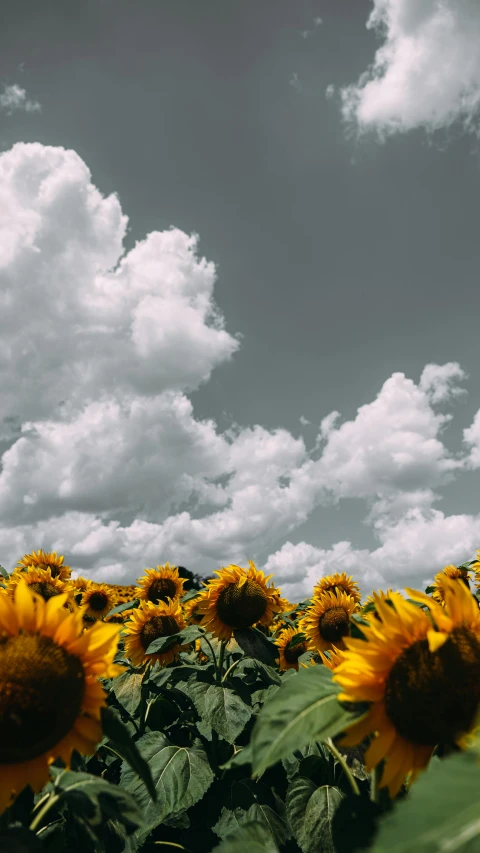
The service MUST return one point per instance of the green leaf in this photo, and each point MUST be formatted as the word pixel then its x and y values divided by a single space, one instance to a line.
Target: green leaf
pixel 231 820
pixel 161 644
pixel 125 606
pixel 127 689
pixel 253 837
pixel 310 811
pixel 192 593
pixel 304 709
pixel 257 645
pixel 442 812
pixel 4 573
pixel 94 800
pixel 220 707
pixel 120 740
pixel 180 775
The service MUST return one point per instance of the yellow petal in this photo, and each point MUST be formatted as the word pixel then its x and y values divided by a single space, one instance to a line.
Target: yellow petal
pixel 436 640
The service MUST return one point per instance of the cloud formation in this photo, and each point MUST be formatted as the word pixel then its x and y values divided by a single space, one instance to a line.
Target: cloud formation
pixel 425 74
pixel 15 98
pixel 103 457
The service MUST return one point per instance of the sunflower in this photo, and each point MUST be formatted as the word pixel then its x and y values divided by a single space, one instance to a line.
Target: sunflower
pixel 160 584
pixel 327 620
pixel 289 654
pixel 50 697
pixel 190 611
pixel 449 572
pixel 44 560
pixel 333 658
pixel 149 622
pixel 97 600
pixel 338 583
pixel 237 599
pixel 40 582
pixel 421 674
pixel 368 608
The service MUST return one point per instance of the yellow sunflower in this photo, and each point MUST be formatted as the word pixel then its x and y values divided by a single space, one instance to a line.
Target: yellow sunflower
pixel 448 572
pixel 289 654
pixel 149 622
pixel 190 611
pixel 160 584
pixel 338 583
pixel 44 560
pixel 50 697
pixel 97 600
pixel 368 608
pixel 421 674
pixel 238 598
pixel 40 582
pixel 333 658
pixel 327 620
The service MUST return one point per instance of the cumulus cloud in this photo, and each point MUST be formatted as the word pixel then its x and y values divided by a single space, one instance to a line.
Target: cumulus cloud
pixel 392 447
pixel 410 553
pixel 426 73
pixel 15 98
pixel 79 318
pixel 103 457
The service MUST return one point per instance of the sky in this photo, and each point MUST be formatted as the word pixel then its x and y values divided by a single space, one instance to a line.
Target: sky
pixel 238 286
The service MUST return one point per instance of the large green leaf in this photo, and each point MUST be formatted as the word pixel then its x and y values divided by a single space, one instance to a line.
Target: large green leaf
pixel 94 800
pixel 120 740
pixel 304 709
pixel 442 812
pixel 253 837
pixel 220 707
pixel 257 645
pixel 180 775
pixel 232 819
pixel 126 605
pixel 310 811
pixel 187 635
pixel 127 690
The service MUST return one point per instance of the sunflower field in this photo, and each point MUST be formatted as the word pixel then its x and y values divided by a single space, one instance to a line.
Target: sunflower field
pixel 227 719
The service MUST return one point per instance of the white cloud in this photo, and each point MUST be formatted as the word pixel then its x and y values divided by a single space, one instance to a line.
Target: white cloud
pixel 78 320
pixel 15 98
pixel 425 74
pixel 438 381
pixel 105 460
pixel 471 436
pixel 411 551
pixel 392 447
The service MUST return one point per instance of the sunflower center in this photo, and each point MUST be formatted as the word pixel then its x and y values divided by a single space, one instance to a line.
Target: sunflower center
pixel 44 589
pixel 240 606
pixel 98 601
pixel 158 626
pixel 54 571
pixel 161 589
pixel 432 697
pixel 334 624
pixel 292 653
pixel 41 694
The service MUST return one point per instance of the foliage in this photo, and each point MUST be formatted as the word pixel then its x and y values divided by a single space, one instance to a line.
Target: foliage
pixel 222 751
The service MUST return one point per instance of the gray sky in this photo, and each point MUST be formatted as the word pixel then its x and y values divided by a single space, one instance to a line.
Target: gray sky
pixel 341 259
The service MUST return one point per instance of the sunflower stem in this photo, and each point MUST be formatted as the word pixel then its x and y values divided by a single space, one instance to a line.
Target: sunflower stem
pixel 211 649
pixel 230 669
pixel 143 702
pixel 220 661
pixel 52 801
pixel 346 769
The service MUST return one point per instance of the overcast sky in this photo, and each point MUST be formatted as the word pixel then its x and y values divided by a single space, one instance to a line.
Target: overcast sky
pixel 239 250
